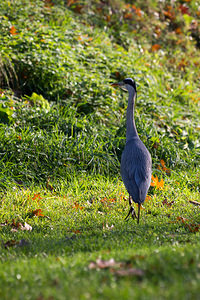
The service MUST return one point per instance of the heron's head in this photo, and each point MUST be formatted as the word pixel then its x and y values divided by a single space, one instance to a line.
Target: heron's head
pixel 126 85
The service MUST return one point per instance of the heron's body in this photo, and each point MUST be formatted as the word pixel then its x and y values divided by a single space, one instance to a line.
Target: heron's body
pixel 136 159
pixel 136 169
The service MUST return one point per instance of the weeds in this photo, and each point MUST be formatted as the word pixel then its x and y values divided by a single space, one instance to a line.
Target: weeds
pixel 62 131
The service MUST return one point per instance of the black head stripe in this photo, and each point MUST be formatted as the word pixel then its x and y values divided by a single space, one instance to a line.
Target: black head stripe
pixel 131 82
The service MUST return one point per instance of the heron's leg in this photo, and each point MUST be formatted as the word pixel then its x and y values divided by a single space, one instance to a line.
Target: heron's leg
pixel 131 210
pixel 138 217
pixel 130 201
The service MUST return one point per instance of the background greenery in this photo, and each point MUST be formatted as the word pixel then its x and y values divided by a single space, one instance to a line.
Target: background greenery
pixel 62 132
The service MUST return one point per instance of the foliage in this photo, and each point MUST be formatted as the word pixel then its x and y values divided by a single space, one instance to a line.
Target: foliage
pixel 69 240
pixel 62 132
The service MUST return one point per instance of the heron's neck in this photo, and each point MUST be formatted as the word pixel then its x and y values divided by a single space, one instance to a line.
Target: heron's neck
pixel 131 130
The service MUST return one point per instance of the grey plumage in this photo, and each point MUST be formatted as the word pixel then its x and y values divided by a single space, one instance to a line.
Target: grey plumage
pixel 136 159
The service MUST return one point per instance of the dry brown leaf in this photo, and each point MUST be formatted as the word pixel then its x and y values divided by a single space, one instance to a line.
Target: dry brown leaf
pixel 19 225
pixel 10 243
pixel 108 227
pixel 103 264
pixel 129 272
pixel 26 227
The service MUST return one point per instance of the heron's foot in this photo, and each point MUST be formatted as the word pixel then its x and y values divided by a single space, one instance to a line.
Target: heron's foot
pixel 132 213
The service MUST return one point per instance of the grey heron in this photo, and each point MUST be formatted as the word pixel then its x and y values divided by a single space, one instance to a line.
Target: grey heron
pixel 136 163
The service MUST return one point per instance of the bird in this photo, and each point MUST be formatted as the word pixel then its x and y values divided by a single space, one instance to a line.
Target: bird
pixel 136 162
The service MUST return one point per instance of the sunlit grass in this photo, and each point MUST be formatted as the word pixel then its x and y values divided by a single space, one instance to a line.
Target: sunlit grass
pixel 62 132
pixel 83 220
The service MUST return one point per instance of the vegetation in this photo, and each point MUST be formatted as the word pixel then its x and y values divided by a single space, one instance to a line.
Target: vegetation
pixel 62 132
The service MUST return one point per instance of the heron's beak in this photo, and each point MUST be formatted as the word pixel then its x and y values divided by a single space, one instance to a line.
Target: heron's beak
pixel 115 84
pixel 120 84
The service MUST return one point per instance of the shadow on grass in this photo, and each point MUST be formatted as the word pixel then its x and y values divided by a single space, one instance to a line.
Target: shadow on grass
pixel 61 241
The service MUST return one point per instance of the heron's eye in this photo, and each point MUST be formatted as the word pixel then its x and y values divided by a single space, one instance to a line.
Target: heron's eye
pixel 131 82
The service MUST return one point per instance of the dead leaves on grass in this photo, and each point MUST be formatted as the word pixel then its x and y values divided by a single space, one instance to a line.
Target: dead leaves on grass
pixel 15 226
pixel 156 183
pixel 14 243
pixel 121 269
pixel 192 227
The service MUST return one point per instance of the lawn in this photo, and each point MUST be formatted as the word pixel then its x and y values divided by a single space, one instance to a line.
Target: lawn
pixel 62 132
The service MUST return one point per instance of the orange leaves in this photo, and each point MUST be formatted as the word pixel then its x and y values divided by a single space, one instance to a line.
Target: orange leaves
pixel 169 13
pixel 156 183
pixel 84 39
pixel 107 201
pixel 191 226
pixel 157 31
pixel 163 167
pixel 155 47
pixel 148 197
pixel 178 30
pixel 182 64
pixel 75 6
pixel 37 197
pixel 132 10
pixel 37 213
pixel 137 11
pixel 77 206
pixel 13 30
pixel 184 9
pixel 128 16
pixel 76 231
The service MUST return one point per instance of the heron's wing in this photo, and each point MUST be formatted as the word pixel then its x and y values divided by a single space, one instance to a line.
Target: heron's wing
pixel 137 182
pixel 142 178
pixel 136 170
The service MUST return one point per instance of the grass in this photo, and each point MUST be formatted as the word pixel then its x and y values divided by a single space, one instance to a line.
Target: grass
pixel 62 132
pixel 83 220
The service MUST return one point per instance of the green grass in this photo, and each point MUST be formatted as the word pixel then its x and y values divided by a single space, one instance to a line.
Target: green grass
pixel 62 132
pixel 55 261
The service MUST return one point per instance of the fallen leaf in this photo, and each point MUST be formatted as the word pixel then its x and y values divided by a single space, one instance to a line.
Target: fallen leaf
pixel 18 225
pixel 37 197
pixel 10 243
pixel 155 182
pixel 128 16
pixel 129 272
pixel 13 30
pixel 108 227
pixel 148 197
pixel 4 224
pixel 26 227
pixel 169 204
pixel 184 9
pixel 76 231
pixel 77 206
pixel 138 11
pixel 107 201
pixel 178 30
pixel 169 13
pixel 155 47
pixel 37 213
pixel 103 264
